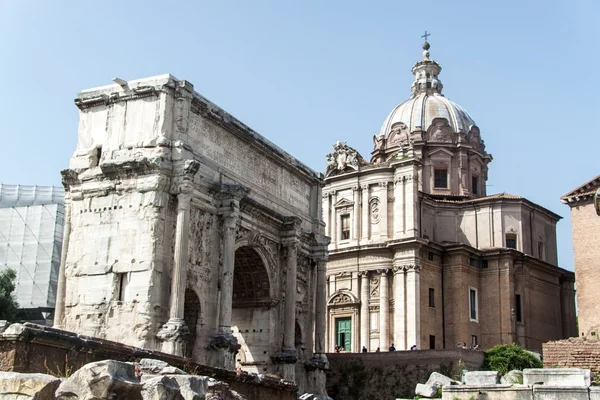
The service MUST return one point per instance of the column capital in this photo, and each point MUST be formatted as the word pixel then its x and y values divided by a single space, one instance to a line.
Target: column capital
pixel 383 271
pixel 383 184
pixel 363 274
pixel 355 188
pixel 413 268
pixel 184 200
pixel 230 219
pixel 333 193
pixel 399 178
pixel 364 186
pixel 399 269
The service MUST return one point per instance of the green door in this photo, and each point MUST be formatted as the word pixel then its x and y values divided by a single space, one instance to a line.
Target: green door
pixel 343 332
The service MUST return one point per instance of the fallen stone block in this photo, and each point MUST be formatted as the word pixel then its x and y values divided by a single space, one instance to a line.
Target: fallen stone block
pixel 440 380
pixel 161 388
pixel 17 386
pixel 480 378
pixel 3 325
pixel 221 391
pixel 512 377
pixel 151 365
pixel 425 390
pixel 557 376
pixel 555 392
pixel 101 380
pixel 192 387
pixel 491 392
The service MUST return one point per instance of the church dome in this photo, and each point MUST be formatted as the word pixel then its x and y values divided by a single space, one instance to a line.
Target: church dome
pixel 421 110
pixel 427 102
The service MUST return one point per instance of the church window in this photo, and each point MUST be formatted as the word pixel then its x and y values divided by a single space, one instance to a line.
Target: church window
pixel 430 256
pixel 518 309
pixel 431 298
pixel 440 179
pixel 432 342
pixel 345 223
pixel 484 263
pixel 511 240
pixel 473 304
pixel 475 184
pixel 473 340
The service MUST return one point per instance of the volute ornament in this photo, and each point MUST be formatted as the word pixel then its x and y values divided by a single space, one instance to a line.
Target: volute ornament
pixel 342 158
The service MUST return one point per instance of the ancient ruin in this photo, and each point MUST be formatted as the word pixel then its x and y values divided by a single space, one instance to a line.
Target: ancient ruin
pixel 188 232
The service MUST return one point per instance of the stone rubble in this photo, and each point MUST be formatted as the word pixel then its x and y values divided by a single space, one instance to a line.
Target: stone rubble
pixel 538 384
pixel 435 382
pixel 115 380
pixel 16 386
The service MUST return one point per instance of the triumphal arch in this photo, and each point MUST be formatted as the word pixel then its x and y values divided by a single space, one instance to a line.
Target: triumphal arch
pixel 190 233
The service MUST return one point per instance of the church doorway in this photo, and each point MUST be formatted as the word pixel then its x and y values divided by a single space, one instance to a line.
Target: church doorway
pixel 251 310
pixel 343 332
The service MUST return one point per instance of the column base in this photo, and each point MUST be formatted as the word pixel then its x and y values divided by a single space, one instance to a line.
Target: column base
pixel 174 336
pixel 285 356
pixel 318 361
pixel 223 347
pixel 316 368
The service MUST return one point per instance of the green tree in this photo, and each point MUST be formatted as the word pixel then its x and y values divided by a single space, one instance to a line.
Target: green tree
pixel 506 357
pixel 8 305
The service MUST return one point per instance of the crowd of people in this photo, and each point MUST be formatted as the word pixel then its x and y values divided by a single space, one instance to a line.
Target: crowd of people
pixel 341 349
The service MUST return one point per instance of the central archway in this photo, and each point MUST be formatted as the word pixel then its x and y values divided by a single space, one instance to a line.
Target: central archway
pixel 251 310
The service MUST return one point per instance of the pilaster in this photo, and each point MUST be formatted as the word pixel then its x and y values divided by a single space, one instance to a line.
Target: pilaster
pixel 383 199
pixel 364 309
pixel 365 212
pixel 384 311
pixel 399 308
pixel 413 308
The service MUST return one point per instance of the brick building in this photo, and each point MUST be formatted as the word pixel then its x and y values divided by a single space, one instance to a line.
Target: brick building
pixel 421 255
pixel 584 202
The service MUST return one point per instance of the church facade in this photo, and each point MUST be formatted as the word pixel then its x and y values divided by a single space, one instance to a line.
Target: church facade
pixel 188 232
pixel 421 255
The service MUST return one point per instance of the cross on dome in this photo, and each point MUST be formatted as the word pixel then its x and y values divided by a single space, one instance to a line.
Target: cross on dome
pixel 426 35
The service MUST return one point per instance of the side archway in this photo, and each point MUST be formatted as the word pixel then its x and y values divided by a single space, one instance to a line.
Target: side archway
pixel 251 310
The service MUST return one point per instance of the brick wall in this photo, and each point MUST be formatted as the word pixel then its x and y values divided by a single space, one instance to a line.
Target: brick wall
pixel 586 246
pixel 574 352
pixel 368 376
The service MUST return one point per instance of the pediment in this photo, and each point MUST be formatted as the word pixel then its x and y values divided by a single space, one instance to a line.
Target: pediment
pixel 343 203
pixel 442 151
pixel 342 298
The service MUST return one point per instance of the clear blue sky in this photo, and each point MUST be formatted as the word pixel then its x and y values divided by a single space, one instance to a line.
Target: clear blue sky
pixel 308 73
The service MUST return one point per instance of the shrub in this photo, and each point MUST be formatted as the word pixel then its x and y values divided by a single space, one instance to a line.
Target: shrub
pixel 506 357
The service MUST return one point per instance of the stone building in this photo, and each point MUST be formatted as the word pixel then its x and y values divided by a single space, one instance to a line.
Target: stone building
pixel 421 255
pixel 31 235
pixel 188 232
pixel 584 202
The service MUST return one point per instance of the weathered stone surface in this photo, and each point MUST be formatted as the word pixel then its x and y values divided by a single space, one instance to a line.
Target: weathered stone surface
pixel 557 376
pixel 594 392
pixel 512 377
pixel 192 387
pixel 426 390
pixel 222 391
pixel 152 365
pixel 557 392
pixel 496 392
pixel 480 378
pixel 101 380
pixel 440 380
pixel 16 386
pixel 161 388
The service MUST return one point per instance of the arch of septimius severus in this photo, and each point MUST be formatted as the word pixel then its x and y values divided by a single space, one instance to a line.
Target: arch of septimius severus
pixel 188 232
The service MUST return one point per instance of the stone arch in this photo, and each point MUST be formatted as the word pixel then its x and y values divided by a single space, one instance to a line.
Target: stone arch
pixel 191 316
pixel 252 308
